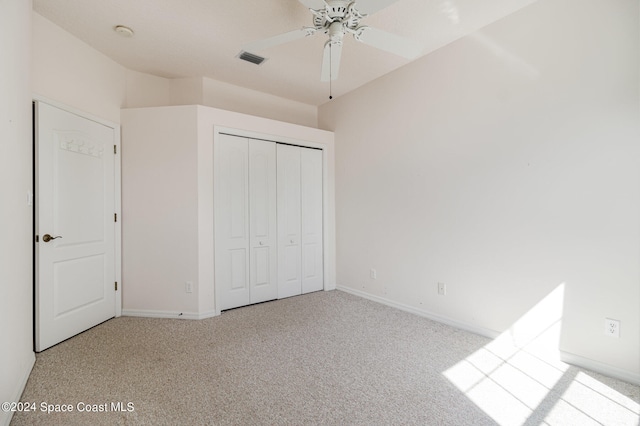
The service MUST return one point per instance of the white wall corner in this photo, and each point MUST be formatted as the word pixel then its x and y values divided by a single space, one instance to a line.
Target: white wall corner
pixel 5 417
pixel 186 91
pixel 146 90
pixel 330 286
pixel 230 97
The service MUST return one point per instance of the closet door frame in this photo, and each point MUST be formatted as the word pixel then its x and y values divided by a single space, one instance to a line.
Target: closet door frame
pixel 218 131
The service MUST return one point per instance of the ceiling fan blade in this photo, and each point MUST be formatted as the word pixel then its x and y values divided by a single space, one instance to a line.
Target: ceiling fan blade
pixel 369 7
pixel 389 42
pixel 331 61
pixel 257 46
pixel 313 4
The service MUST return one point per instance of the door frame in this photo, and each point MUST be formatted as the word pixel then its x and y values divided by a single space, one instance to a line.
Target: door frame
pixel 117 175
pixel 217 130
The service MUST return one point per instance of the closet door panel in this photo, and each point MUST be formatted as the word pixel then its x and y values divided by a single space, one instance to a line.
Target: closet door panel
pixel 262 221
pixel 232 223
pixel 289 221
pixel 311 209
pixel 268 221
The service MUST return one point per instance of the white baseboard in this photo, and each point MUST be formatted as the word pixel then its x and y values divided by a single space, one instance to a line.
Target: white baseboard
pixel 492 334
pixel 5 418
pixel 329 286
pixel 599 367
pixel 168 314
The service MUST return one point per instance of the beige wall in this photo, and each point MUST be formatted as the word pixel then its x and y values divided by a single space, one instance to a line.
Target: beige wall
pixel 159 210
pixel 67 70
pixel 239 99
pixel 145 90
pixel 503 165
pixel 16 297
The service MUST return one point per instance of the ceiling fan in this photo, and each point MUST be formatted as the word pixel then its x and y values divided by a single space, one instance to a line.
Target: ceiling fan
pixel 337 18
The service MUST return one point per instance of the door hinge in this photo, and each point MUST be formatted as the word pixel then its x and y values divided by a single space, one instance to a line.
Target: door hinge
pixel 116 285
pixel 115 217
pixel 115 149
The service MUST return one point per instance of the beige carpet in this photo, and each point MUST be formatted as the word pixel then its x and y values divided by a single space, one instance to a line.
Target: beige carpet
pixel 323 358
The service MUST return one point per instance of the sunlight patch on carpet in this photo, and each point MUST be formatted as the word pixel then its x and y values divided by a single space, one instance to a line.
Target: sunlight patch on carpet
pixel 518 378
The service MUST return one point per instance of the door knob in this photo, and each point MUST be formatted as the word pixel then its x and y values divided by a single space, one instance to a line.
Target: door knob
pixel 46 238
pixel 261 243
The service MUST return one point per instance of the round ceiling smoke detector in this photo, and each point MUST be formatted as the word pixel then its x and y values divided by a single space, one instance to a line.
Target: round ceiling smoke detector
pixel 123 31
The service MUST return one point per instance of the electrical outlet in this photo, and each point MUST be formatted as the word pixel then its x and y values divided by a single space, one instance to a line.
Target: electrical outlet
pixel 373 274
pixel 442 289
pixel 188 287
pixel 612 327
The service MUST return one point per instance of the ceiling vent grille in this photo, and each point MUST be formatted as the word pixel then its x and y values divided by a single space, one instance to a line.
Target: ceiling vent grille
pixel 250 57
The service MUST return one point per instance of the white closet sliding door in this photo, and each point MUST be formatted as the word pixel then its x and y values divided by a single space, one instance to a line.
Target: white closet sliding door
pixel 300 261
pixel 231 199
pixel 268 221
pixel 245 222
pixel 289 222
pixel 262 221
pixel 311 201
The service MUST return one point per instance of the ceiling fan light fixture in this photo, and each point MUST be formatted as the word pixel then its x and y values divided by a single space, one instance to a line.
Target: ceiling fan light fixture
pixel 251 57
pixel 335 18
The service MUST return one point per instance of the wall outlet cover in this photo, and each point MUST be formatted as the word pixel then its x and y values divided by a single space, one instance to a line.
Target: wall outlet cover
pixel 612 327
pixel 442 289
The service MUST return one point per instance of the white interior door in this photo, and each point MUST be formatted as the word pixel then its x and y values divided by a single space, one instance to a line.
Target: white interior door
pixel 289 221
pixel 262 221
pixel 75 283
pixel 311 200
pixel 231 198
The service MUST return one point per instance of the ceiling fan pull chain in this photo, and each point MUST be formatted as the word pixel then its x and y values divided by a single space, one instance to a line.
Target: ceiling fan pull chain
pixel 330 71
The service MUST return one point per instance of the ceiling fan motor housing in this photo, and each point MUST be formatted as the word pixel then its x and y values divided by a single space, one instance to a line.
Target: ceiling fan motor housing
pixel 336 32
pixel 337 16
pixel 337 8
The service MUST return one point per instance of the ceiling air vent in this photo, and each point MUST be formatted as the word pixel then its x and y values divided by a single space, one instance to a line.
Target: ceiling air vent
pixel 250 57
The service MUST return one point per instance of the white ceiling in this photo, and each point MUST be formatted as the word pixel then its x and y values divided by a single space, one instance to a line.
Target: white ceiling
pixel 201 38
